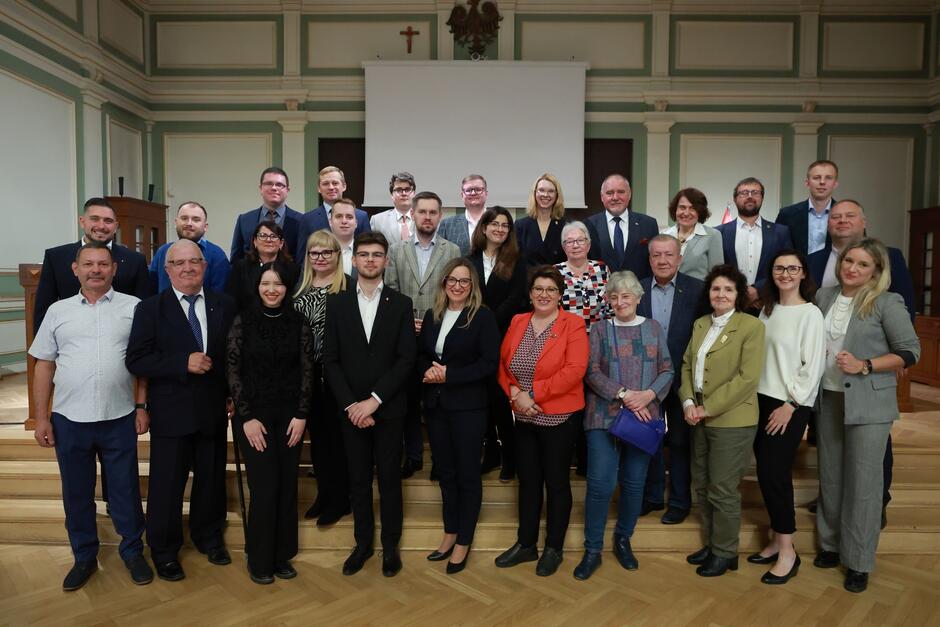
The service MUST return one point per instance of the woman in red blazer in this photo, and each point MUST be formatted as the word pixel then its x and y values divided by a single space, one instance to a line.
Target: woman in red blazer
pixel 543 359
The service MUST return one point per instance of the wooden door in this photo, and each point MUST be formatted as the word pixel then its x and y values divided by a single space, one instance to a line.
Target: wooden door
pixel 142 224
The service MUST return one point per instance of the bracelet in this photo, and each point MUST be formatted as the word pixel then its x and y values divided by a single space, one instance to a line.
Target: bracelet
pixel 143 406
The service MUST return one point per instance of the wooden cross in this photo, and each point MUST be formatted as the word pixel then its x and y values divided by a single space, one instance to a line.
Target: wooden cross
pixel 410 33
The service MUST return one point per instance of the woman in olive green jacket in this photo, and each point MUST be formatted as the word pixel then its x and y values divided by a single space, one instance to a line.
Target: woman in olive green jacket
pixel 720 372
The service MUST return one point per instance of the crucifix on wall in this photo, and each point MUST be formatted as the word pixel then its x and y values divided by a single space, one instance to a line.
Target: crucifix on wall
pixel 409 33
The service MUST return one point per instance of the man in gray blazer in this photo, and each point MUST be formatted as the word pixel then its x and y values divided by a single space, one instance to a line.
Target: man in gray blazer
pixel 414 269
pixel 459 228
pixel 396 224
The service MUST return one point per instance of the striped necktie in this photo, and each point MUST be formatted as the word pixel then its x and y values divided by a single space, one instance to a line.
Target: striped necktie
pixel 194 321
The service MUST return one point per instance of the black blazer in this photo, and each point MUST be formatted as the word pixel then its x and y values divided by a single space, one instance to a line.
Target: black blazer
pixel 536 250
pixel 636 257
pixel 356 367
pixel 471 354
pixel 505 298
pixel 57 281
pixel 318 220
pixel 796 218
pixel 161 341
pixel 686 308
pixel 242 282
pixel 245 226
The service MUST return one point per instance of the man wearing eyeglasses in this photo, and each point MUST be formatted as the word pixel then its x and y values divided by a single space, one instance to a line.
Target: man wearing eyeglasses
pixel 192 222
pixel 459 228
pixel 396 224
pixel 749 241
pixel 332 186
pixel 274 188
pixel 177 342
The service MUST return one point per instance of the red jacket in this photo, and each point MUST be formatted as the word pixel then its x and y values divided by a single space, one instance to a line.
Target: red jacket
pixel 559 372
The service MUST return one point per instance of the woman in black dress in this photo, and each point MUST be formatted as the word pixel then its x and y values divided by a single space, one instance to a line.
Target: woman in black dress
pixel 270 377
pixel 267 245
pixel 539 233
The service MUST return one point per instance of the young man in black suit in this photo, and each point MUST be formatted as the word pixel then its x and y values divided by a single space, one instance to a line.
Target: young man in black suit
pixel 274 187
pixel 369 352
pixel 177 342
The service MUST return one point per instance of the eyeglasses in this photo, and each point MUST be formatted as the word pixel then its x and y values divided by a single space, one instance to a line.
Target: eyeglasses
pixel 452 281
pixel 473 191
pixel 538 290
pixel 274 185
pixel 364 255
pixel 499 226
pixel 791 270
pixel 267 237
pixel 179 263
pixel 320 254
pixel 402 190
pixel 744 193
pixel 581 241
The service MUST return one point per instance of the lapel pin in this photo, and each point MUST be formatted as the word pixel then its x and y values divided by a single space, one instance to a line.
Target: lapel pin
pixel 724 338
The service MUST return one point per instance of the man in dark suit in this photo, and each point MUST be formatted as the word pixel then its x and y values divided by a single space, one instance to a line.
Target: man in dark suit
pixel 673 300
pixel 57 281
pixel 619 237
pixel 369 352
pixel 808 219
pixel 750 242
pixel 332 186
pixel 274 188
pixel 177 342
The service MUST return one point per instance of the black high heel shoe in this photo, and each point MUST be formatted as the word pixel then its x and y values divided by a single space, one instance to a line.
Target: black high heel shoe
pixel 438 556
pixel 455 567
pixel 776 580
pixel 757 558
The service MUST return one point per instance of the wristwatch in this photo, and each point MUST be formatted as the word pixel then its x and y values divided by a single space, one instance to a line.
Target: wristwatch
pixel 621 393
pixel 866 367
pixel 143 406
pixel 793 404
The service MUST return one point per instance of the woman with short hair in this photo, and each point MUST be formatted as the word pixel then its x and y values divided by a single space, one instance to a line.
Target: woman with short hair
pixel 699 245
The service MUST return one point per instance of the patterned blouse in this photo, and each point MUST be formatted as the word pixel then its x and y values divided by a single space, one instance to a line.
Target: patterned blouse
pixel 584 294
pixel 522 367
pixel 312 306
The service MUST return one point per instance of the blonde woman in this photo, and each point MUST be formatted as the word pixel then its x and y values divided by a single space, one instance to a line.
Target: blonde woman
pixel 539 233
pixel 458 353
pixel 323 275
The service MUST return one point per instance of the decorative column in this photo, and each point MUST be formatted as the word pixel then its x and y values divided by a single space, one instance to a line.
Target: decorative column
pixel 93 154
pixel 293 157
pixel 657 169
pixel 445 39
pixel 507 30
pixel 805 139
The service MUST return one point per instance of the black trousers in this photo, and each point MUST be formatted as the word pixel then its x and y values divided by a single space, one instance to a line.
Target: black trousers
pixel 679 441
pixel 456 438
pixel 326 443
pixel 378 446
pixel 499 423
pixel 171 459
pixel 543 458
pixel 775 455
pixel 272 480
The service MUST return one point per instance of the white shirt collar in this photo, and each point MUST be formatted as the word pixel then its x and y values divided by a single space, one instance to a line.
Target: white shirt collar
pixel 623 216
pixel 378 290
pixel 722 320
pixel 744 225
pixel 180 295
pixel 109 243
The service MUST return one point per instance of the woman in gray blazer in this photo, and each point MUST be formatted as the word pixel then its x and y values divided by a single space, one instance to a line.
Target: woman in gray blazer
pixel 869 337
pixel 700 245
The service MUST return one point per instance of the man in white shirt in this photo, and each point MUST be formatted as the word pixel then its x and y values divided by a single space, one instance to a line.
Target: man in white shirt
pixel 396 224
pixel 343 226
pixel 98 406
pixel 459 228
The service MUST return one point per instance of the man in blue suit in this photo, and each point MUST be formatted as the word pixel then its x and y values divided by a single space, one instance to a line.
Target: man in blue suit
pixel 274 188
pixel 808 219
pixel 332 186
pixel 673 300
pixel 750 242
pixel 620 237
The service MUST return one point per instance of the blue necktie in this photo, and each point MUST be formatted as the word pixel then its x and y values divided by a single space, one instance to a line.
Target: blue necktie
pixel 194 321
pixel 618 244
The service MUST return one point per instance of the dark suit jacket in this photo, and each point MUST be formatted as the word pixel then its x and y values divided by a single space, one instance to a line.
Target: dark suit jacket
pixel 901 282
pixel 536 250
pixel 57 280
pixel 636 256
pixel 686 305
pixel 796 218
pixel 161 341
pixel 317 220
pixel 471 354
pixel 505 298
pixel 775 237
pixel 245 226
pixel 356 367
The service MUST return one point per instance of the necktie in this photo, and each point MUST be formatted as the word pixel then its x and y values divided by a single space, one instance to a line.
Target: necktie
pixel 404 228
pixel 618 244
pixel 194 321
pixel 272 216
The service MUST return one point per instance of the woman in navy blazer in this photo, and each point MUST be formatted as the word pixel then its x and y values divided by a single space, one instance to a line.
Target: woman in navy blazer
pixel 539 232
pixel 458 352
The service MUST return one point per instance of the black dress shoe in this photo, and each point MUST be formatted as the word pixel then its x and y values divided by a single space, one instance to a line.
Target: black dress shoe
pixel 812 506
pixel 410 467
pixel 170 571
pixel 284 570
pixel 777 580
pixel 586 567
pixel 757 558
pixel 263 579
pixel 140 570
pixel 674 516
pixel 357 560
pixel 855 581
pixel 507 473
pixel 391 562
pixel 826 559
pixel 716 566
pixel 219 556
pixel 549 562
pixel 648 507
pixel 315 510
pixel 455 567
pixel 331 518
pixel 107 509
pixel 698 558
pixel 517 554
pixel 80 573
pixel 624 552
pixel 438 556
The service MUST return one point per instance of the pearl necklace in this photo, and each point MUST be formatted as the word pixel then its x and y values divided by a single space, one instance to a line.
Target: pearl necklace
pixel 842 309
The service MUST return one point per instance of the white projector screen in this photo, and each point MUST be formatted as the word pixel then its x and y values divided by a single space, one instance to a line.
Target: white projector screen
pixel 510 121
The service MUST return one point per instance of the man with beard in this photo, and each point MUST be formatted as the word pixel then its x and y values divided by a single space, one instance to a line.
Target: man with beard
pixel 192 222
pixel 749 241
pixel 274 188
pixel 332 186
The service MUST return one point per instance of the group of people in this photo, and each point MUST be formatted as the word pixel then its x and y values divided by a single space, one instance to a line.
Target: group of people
pixel 518 342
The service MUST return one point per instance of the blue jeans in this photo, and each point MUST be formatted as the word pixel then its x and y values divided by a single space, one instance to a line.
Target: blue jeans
pixel 611 461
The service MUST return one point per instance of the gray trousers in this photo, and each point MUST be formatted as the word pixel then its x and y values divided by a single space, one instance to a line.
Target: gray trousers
pixel 720 457
pixel 848 519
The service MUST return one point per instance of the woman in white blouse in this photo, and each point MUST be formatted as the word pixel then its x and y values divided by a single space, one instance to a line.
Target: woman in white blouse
pixel 793 366
pixel 700 245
